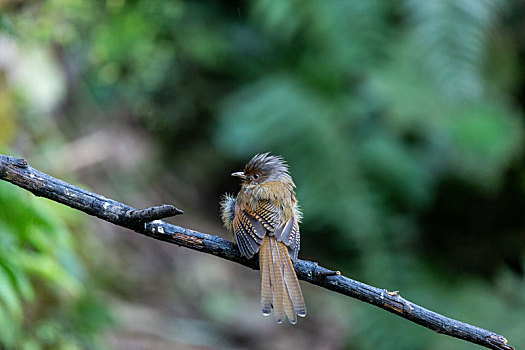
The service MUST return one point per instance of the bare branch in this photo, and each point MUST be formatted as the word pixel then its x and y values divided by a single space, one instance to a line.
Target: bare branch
pixel 18 172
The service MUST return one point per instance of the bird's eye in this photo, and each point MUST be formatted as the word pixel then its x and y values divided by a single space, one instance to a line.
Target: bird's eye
pixel 255 176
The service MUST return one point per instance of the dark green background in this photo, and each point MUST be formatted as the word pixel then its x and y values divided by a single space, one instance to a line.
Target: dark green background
pixel 402 122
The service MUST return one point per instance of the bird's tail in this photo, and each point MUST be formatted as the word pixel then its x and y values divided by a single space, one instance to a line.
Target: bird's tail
pixel 280 288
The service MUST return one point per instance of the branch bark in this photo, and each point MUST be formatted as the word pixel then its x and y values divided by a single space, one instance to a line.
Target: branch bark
pixel 147 222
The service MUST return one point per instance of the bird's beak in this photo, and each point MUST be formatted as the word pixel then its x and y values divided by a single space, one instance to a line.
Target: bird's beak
pixel 239 174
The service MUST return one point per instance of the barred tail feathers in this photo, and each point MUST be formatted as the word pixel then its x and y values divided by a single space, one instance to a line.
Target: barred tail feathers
pixel 280 288
pixel 292 283
pixel 264 265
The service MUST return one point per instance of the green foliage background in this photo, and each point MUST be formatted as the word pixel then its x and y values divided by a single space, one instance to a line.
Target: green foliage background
pixel 402 122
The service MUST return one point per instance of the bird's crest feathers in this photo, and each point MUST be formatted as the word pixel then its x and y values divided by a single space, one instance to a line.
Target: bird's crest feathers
pixel 271 168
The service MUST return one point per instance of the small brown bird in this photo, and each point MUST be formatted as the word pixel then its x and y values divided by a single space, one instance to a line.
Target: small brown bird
pixel 265 218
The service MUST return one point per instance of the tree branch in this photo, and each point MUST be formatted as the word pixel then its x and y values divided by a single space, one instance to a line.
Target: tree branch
pixel 19 173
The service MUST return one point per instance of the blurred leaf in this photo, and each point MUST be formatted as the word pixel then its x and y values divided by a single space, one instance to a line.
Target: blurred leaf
pixel 451 36
pixel 487 139
pixel 20 280
pixel 9 296
pixel 476 140
pixel 10 329
pixel 38 264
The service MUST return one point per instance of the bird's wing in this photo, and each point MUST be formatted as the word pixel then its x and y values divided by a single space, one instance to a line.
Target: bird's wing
pixel 249 233
pixel 250 227
pixel 267 214
pixel 289 234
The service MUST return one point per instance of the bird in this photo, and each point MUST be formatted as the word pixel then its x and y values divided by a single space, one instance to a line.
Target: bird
pixel 264 218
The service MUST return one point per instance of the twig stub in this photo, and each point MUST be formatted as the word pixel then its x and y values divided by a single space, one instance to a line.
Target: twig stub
pixel 153 213
pixel 499 342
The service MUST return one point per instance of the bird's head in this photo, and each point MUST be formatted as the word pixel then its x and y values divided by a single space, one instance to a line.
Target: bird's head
pixel 265 168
